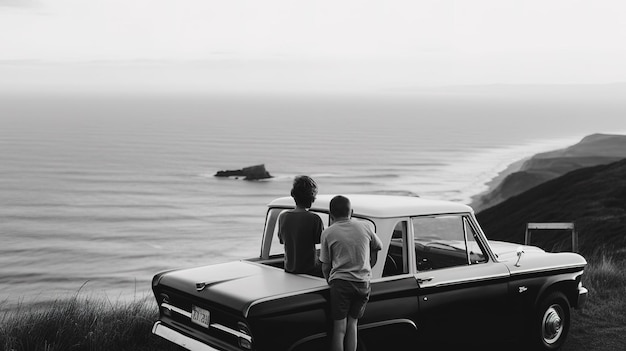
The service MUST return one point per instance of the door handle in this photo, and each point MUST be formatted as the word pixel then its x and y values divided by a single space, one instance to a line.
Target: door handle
pixel 424 280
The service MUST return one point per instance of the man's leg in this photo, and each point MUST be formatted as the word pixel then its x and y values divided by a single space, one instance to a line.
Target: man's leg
pixel 351 334
pixel 339 332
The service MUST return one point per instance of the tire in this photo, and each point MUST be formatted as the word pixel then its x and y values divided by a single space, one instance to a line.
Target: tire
pixel 550 325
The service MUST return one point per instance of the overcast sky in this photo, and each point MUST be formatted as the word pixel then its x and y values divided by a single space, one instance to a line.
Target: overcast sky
pixel 321 44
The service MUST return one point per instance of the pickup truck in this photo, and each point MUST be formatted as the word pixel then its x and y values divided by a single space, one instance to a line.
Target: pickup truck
pixel 438 281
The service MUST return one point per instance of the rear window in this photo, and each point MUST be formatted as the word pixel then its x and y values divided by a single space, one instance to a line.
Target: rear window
pixel 277 248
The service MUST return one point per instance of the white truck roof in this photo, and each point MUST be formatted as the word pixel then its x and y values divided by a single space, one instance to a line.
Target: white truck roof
pixel 383 206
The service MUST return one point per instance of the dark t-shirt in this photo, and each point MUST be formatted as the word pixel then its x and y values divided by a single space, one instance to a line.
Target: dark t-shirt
pixel 299 231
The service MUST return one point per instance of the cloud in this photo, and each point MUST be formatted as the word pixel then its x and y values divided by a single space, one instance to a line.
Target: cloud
pixel 416 41
pixel 162 29
pixel 19 3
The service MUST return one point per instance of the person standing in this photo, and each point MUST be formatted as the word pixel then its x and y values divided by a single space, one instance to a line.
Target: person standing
pixel 299 230
pixel 346 248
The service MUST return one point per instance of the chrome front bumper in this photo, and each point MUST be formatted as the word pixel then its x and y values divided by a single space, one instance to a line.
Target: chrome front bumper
pixel 179 339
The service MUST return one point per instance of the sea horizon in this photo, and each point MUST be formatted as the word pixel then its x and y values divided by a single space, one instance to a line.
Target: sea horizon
pixel 100 193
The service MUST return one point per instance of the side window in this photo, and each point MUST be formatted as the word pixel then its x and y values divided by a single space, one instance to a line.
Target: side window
pixel 475 251
pixel 396 261
pixel 439 242
pixel 276 247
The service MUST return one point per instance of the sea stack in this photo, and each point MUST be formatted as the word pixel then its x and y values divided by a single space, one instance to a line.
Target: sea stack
pixel 248 173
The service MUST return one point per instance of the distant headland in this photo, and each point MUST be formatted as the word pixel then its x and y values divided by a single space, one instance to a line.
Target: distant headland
pixel 592 150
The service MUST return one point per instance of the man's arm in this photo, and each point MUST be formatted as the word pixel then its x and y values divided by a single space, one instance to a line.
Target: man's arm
pixel 375 245
pixel 326 271
pixel 325 256
pixel 280 227
pixel 318 229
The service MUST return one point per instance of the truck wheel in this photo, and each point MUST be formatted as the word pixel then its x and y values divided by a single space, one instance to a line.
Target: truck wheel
pixel 550 324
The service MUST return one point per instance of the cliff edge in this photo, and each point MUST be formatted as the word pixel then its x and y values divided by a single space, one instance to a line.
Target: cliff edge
pixel 593 198
pixel 592 150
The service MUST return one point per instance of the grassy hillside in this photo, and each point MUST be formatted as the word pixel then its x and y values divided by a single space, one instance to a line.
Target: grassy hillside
pixel 82 323
pixel 593 198
pixel 601 324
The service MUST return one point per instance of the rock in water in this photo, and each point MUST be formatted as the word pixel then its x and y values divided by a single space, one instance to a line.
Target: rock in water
pixel 249 173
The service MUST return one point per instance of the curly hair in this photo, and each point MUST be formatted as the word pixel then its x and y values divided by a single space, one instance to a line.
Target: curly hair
pixel 304 191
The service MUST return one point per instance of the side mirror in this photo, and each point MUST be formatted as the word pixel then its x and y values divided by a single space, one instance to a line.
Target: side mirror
pixel 520 252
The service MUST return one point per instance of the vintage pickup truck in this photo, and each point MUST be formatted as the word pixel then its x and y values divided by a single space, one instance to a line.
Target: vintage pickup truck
pixel 438 281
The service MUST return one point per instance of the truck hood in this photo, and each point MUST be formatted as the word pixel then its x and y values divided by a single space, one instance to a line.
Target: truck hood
pixel 506 251
pixel 535 259
pixel 239 285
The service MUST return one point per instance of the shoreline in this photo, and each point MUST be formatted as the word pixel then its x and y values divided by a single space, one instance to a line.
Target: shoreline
pixel 513 160
pixel 548 163
pixel 494 182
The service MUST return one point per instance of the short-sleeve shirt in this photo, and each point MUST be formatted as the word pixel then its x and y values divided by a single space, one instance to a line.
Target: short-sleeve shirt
pixel 346 246
pixel 299 231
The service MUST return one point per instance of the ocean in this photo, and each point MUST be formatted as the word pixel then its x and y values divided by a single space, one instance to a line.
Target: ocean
pixel 99 193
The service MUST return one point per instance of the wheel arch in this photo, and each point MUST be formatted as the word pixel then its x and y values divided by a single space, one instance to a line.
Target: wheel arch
pixel 567 286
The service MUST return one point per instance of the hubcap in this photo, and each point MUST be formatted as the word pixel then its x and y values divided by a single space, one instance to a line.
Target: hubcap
pixel 552 324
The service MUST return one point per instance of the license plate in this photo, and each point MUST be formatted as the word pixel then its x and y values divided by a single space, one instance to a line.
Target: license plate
pixel 200 316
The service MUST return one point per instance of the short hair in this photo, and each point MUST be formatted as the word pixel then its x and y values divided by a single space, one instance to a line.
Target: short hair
pixel 304 191
pixel 340 206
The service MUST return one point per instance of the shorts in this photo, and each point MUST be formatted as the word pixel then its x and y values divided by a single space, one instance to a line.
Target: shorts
pixel 348 298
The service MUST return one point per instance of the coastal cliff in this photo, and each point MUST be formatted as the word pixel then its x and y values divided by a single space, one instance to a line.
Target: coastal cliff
pixel 594 198
pixel 595 149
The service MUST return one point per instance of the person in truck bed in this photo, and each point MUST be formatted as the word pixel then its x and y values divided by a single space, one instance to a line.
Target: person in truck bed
pixel 299 230
pixel 345 255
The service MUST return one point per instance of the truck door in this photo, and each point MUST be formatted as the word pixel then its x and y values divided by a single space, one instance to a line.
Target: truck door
pixel 389 319
pixel 463 294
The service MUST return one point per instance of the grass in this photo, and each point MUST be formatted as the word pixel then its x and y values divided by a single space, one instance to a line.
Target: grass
pixel 82 323
pixel 601 324
pixel 87 323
